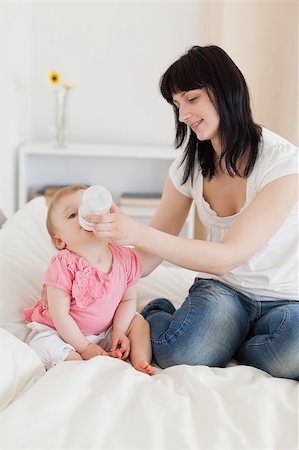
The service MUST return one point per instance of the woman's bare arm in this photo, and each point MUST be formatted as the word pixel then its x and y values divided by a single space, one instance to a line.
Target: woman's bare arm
pixel 169 218
pixel 253 229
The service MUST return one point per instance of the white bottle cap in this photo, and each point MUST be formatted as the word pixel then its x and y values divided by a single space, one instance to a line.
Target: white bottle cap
pixel 96 200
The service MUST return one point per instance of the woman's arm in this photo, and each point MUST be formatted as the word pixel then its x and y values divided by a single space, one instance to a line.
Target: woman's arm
pixel 169 218
pixel 254 228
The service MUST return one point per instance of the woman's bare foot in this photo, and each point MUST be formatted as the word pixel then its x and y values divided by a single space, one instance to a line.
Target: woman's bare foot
pixel 145 367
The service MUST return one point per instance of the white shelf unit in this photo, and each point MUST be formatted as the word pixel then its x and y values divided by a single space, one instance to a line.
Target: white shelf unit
pixel 120 168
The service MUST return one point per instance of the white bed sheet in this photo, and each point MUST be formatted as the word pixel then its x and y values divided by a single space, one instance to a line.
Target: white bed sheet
pixel 104 403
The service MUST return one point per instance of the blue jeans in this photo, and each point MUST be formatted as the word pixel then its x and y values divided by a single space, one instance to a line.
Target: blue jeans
pixel 216 324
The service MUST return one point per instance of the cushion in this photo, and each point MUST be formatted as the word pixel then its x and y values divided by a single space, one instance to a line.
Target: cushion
pixel 25 249
pixel 22 367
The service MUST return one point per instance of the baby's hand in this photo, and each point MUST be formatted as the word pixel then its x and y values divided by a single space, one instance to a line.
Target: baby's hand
pixel 121 343
pixel 93 350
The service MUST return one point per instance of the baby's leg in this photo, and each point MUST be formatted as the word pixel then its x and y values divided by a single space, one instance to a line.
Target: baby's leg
pixel 141 349
pixel 50 347
pixel 104 341
pixel 72 356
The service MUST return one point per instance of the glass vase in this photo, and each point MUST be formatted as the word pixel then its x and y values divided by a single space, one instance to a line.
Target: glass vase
pixel 61 116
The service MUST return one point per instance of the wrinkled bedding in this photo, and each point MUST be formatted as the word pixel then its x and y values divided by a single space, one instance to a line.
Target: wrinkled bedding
pixel 104 403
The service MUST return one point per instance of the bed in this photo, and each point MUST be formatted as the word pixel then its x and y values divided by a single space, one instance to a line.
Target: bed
pixel 104 403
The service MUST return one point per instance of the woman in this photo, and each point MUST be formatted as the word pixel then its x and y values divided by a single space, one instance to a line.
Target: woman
pixel 243 180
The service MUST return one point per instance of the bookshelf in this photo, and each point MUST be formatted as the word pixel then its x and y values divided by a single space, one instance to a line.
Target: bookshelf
pixel 120 168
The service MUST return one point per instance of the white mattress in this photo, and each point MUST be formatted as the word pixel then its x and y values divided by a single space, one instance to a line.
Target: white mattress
pixel 104 403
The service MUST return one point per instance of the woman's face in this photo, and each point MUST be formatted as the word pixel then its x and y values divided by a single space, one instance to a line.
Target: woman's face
pixel 198 112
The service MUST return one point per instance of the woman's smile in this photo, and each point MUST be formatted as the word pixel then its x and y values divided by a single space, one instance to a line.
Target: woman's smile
pixel 195 125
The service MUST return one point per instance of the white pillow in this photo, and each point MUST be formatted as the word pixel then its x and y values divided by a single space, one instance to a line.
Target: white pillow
pixel 20 367
pixel 25 250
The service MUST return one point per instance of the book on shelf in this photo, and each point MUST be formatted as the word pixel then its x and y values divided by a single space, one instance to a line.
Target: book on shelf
pixel 138 211
pixel 141 199
pixel 50 190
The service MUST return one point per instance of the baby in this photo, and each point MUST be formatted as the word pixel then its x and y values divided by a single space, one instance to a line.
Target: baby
pixel 91 298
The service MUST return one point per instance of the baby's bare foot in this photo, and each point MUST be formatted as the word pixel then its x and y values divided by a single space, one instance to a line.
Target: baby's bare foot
pixel 145 367
pixel 115 354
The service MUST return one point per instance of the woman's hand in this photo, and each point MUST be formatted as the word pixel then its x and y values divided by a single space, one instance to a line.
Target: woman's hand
pixel 116 226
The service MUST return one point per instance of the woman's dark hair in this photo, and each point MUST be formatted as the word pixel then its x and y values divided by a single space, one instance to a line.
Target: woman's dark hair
pixel 210 68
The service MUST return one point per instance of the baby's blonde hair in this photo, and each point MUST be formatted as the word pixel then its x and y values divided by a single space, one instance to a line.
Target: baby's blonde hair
pixel 59 195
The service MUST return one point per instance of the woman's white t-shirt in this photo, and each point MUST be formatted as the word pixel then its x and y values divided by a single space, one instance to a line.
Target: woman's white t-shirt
pixel 273 271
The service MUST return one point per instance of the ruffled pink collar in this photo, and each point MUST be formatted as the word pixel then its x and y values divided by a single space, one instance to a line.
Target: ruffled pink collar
pixel 89 282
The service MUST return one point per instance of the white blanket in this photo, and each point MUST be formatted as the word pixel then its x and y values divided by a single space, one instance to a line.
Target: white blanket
pixel 106 404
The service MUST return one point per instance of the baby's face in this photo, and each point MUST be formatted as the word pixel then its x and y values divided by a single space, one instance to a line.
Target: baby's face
pixel 66 223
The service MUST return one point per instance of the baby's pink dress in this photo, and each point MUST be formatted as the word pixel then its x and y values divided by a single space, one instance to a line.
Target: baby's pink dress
pixel 94 295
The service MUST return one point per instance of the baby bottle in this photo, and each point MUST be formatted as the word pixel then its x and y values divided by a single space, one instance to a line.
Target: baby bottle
pixel 96 200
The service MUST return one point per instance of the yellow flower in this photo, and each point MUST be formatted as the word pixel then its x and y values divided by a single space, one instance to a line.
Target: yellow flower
pixel 54 78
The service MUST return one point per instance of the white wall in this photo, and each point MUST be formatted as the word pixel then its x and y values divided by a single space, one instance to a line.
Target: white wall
pixel 114 52
pixel 15 95
pixel 262 38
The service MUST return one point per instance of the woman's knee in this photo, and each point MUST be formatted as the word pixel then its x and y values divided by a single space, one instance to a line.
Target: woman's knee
pixel 282 366
pixel 159 304
pixel 206 330
pixel 274 347
pixel 211 344
pixel 173 356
